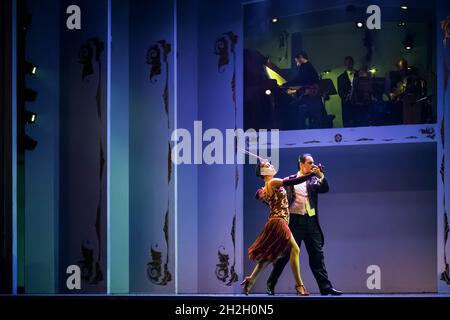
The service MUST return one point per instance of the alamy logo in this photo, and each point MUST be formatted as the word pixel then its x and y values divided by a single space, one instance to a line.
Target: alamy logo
pixel 223 148
pixel 374 20
pixel 74 20
pixel 374 280
pixel 74 279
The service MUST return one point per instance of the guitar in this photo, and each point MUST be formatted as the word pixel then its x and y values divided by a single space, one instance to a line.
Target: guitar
pixel 308 90
pixel 399 90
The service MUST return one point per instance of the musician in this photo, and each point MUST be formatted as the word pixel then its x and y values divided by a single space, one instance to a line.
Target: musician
pixel 306 73
pixel 346 83
pixel 406 90
pixel 309 103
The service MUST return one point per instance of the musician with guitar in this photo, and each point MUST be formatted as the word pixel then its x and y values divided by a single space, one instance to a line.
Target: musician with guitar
pixel 305 86
pixel 306 73
pixel 408 91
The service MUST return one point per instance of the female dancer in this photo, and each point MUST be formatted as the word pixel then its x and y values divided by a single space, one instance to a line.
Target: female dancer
pixel 276 237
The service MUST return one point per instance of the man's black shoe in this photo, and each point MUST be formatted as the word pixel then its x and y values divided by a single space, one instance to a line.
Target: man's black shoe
pixel 332 291
pixel 270 291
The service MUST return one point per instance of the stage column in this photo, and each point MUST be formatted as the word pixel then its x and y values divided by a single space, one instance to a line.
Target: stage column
pixel 443 119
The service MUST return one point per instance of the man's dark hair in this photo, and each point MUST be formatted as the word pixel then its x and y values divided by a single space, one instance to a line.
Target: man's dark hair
pixel 302 159
pixel 301 54
pixel 349 58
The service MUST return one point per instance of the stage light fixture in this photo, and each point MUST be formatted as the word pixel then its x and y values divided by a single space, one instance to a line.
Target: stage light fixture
pixel 27 143
pixel 30 94
pixel 404 7
pixel 31 68
pixel 373 70
pixel 30 117
pixel 401 24
pixel 359 24
pixel 268 92
pixel 274 20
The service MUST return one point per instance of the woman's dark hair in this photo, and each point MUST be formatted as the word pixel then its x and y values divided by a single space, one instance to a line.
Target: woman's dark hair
pixel 258 169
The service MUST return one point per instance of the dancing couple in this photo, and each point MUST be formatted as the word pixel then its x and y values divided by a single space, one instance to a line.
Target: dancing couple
pixel 277 243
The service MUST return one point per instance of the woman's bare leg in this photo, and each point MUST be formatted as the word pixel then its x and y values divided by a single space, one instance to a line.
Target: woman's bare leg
pixel 258 268
pixel 250 280
pixel 294 260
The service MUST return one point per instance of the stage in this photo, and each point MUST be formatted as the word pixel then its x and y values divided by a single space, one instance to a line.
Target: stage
pixel 134 136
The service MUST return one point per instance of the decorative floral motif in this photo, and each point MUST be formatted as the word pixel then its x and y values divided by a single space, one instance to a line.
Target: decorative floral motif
pixel 156 274
pixel 429 132
pixel 224 45
pixel 221 48
pixel 223 271
pixel 86 55
pixel 445 25
pixel 157 55
pixel 153 58
pixel 445 275
pixel 90 52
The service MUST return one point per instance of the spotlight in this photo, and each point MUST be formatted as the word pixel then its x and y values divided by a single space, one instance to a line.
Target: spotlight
pixel 27 143
pixel 408 43
pixel 30 94
pixel 274 20
pixel 268 92
pixel 325 73
pixel 404 7
pixel 373 70
pixel 401 24
pixel 359 24
pixel 30 117
pixel 31 68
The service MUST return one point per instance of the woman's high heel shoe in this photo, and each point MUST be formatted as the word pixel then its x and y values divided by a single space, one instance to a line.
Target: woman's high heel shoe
pixel 247 283
pixel 301 290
